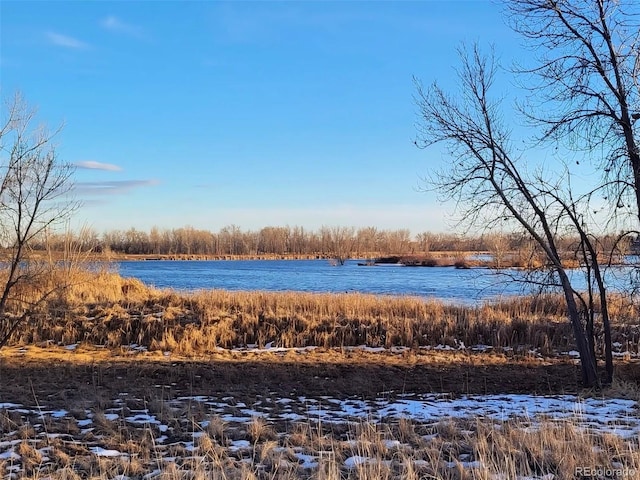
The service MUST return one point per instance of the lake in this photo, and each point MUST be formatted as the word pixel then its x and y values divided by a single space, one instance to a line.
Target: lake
pixel 445 283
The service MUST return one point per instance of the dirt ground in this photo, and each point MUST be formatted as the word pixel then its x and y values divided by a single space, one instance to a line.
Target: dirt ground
pixel 60 378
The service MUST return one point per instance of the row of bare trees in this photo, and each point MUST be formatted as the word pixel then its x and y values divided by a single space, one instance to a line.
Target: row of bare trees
pixel 339 242
pixel 233 240
pixel 287 240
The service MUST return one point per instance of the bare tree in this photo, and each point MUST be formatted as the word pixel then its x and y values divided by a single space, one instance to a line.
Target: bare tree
pixel 368 240
pixel 585 83
pixel 492 186
pixel 423 241
pixel 498 245
pixel 398 241
pixel 340 242
pixel 34 188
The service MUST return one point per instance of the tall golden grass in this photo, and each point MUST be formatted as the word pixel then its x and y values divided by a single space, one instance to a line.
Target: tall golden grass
pixel 101 307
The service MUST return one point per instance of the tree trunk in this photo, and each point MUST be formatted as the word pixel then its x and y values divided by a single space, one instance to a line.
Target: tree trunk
pixel 587 364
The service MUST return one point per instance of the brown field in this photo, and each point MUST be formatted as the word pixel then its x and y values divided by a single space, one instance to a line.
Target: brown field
pixel 90 382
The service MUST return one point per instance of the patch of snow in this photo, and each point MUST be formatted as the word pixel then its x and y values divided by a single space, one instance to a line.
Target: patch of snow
pixel 102 452
pixel 481 348
pixel 143 418
pixel 239 445
pixel 474 464
pixel 235 419
pixel 571 353
pixel 292 417
pixel 10 443
pixel 10 455
pixel 392 444
pixel 268 348
pixel 353 462
pixel 623 354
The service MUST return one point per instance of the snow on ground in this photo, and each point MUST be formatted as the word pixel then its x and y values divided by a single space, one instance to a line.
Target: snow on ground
pixel 269 348
pixel 102 452
pixel 612 415
pixel 617 416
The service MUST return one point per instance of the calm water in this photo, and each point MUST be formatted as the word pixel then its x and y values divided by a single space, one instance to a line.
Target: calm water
pixel 445 283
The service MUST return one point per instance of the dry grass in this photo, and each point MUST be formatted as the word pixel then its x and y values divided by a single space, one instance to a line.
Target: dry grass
pixel 105 309
pixel 448 450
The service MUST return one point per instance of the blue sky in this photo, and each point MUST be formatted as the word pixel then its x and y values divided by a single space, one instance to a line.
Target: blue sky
pixel 248 113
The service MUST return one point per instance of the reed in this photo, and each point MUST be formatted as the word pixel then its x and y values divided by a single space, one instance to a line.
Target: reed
pixel 105 309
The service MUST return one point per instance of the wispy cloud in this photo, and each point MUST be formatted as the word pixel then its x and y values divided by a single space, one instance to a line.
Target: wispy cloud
pixel 113 187
pixel 66 41
pixel 91 165
pixel 116 25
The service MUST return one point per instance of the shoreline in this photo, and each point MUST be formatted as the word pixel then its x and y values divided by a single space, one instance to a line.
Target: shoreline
pixel 434 259
pixel 457 259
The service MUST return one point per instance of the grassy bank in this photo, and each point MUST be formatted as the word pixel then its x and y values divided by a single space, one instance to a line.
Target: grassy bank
pixel 106 309
pixel 453 258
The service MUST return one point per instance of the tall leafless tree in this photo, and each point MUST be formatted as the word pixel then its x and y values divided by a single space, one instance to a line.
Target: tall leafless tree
pixel 490 182
pixel 584 83
pixel 34 188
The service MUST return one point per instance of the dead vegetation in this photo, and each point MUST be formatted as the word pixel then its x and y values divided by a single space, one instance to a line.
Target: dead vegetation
pixel 103 308
pixel 448 449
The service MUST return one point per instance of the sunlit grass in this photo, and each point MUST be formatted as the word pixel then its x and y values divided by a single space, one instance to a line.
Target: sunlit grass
pixel 101 307
pixel 461 449
pixel 105 309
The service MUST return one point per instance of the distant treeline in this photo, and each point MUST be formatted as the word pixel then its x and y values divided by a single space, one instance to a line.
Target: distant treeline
pixel 329 241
